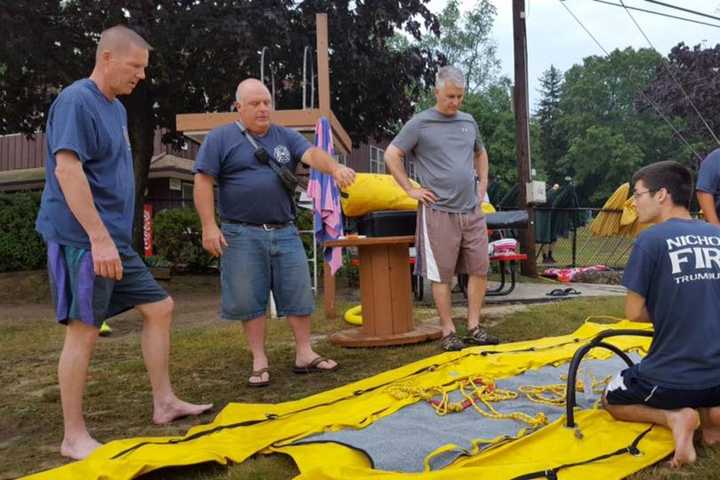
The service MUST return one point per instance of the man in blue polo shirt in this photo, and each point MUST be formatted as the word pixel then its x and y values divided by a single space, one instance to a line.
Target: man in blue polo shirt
pixel 708 187
pixel 258 244
pixel 673 281
pixel 86 219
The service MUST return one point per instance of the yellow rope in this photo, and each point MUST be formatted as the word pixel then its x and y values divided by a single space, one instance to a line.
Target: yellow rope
pixel 476 392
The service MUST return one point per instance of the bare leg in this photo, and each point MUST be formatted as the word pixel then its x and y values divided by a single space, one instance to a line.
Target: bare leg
pixel 72 375
pixel 304 353
pixel 710 424
pixel 156 353
pixel 477 286
pixel 443 303
pixel 682 423
pixel 255 334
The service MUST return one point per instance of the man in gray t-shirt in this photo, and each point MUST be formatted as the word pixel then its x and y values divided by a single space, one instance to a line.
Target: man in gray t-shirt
pixel 451 236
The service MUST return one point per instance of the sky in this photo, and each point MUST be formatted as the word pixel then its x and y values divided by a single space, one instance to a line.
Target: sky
pixel 555 38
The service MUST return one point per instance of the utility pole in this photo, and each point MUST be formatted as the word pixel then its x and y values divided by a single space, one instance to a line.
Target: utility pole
pixel 522 133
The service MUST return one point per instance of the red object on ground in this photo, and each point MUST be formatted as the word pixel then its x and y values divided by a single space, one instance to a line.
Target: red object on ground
pixel 568 274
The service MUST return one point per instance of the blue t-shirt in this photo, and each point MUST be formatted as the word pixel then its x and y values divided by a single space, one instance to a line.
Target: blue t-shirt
pixel 709 177
pixel 250 191
pixel 84 121
pixel 675 266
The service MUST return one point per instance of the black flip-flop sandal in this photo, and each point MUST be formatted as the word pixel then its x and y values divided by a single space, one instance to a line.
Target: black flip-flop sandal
pixel 312 367
pixel 258 373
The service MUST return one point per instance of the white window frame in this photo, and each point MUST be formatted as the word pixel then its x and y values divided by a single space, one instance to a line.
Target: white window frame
pixel 377 162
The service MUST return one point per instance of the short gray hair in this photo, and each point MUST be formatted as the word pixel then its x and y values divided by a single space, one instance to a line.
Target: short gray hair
pixel 449 74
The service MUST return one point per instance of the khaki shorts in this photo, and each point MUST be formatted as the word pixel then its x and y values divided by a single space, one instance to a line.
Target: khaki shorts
pixel 450 243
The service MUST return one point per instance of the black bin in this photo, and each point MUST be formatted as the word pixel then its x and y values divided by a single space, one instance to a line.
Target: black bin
pixel 387 223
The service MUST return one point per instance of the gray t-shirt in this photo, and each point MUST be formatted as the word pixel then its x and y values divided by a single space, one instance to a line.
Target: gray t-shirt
pixel 443 149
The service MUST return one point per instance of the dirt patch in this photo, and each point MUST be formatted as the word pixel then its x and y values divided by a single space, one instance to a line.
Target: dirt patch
pixel 23 288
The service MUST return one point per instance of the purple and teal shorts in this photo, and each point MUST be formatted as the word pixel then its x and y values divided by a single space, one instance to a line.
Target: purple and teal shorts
pixel 79 294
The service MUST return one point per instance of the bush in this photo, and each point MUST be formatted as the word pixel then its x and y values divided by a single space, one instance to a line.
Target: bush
pixel 177 236
pixel 304 221
pixel 21 247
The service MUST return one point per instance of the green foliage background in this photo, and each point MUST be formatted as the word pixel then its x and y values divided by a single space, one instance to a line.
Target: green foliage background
pixel 21 248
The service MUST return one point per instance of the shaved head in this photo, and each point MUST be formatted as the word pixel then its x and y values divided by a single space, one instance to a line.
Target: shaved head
pixel 118 40
pixel 248 85
pixel 254 104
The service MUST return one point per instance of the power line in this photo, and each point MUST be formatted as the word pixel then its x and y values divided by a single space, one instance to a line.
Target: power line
pixel 645 97
pixel 694 12
pixel 654 12
pixel 672 75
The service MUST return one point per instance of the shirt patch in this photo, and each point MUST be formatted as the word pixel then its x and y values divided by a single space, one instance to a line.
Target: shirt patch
pixel 281 154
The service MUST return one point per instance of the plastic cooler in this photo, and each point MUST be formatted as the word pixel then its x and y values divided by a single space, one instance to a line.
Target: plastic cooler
pixel 389 223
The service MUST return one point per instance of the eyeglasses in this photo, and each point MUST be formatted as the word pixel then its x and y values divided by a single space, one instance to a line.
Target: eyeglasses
pixel 637 195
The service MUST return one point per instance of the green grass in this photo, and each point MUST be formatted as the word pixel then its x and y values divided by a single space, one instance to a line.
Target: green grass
pixel 592 250
pixel 209 363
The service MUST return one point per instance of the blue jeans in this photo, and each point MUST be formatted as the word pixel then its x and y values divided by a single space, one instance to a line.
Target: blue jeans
pixel 257 261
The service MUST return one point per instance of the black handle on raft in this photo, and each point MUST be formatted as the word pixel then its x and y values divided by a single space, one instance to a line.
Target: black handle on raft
pixel 581 352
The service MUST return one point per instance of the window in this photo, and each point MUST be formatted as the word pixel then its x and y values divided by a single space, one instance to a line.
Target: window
pixel 410 168
pixel 377 163
pixel 187 194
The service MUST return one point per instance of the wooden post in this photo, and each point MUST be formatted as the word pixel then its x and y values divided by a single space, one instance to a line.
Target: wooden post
pixel 522 132
pixel 329 291
pixel 321 29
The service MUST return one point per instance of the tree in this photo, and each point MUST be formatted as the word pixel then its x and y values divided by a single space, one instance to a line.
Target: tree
pixel 553 138
pixel 600 112
pixel 201 51
pixel 492 111
pixel 465 42
pixel 695 69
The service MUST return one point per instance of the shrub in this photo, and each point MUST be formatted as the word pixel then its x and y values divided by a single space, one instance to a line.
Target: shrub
pixel 177 236
pixel 21 247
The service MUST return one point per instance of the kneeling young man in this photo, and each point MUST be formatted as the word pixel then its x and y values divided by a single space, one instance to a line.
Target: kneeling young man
pixel 673 281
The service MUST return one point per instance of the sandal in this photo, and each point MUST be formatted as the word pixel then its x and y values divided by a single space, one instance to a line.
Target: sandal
pixel 259 373
pixel 313 367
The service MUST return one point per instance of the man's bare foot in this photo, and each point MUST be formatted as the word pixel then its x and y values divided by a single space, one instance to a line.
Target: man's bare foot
pixel 683 424
pixel 175 409
pixel 78 448
pixel 710 424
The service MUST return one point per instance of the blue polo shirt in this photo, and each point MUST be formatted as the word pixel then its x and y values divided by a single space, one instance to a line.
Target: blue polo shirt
pixel 84 121
pixel 675 266
pixel 708 179
pixel 250 191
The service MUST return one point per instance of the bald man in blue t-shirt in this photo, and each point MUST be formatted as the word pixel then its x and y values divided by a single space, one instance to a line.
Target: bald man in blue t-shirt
pixel 86 217
pixel 258 244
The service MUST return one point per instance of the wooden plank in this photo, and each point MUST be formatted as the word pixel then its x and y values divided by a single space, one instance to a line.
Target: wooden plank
pixel 361 241
pixel 367 292
pixel 321 29
pixel 383 290
pixel 204 122
pixel 399 276
pixel 329 292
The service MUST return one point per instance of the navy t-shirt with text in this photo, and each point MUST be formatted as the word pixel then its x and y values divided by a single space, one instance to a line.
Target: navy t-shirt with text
pixel 708 179
pixel 82 120
pixel 675 266
pixel 250 191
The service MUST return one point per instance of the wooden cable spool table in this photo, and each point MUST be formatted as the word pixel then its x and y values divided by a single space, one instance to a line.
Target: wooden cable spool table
pixel 387 308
